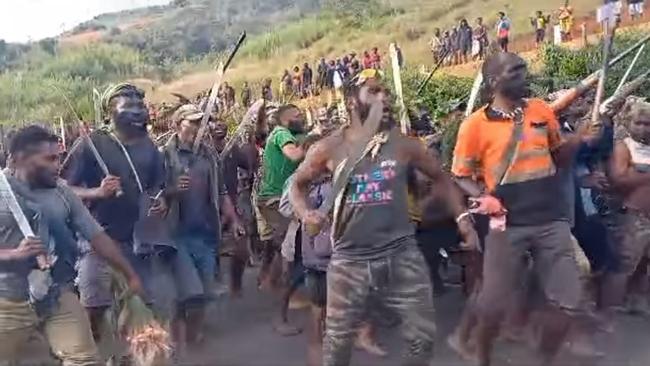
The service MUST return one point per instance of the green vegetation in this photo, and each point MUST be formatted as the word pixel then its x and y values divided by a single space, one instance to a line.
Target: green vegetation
pixel 164 43
pixel 564 67
pixel 34 91
pixel 561 68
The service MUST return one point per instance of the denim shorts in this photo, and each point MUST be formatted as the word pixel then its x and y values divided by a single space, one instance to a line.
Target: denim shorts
pixel 194 266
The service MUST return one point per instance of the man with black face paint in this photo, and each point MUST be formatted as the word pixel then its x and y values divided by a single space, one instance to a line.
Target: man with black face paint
pixel 374 251
pixel 59 218
pixel 513 145
pixel 137 171
pixel 282 154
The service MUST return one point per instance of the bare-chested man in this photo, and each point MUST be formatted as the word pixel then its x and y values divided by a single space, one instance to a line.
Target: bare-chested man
pixel 630 175
pixel 374 249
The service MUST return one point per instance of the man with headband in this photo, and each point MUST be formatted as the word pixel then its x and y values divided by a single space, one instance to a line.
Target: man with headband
pixel 137 173
pixel 375 254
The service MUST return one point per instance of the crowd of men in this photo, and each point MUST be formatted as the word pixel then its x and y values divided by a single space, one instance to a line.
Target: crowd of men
pixel 357 212
pixel 331 74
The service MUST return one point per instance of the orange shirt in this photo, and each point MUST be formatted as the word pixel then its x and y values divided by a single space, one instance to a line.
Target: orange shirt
pixel 483 139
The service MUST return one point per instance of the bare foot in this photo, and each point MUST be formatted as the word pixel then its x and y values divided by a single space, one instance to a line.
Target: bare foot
pixel 286 329
pixel 462 349
pixel 369 346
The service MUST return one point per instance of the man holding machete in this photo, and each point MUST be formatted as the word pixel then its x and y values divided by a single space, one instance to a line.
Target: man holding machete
pixel 61 218
pixel 138 170
pixel 374 247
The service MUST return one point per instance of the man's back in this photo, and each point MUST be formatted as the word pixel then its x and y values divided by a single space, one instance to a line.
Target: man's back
pixel 276 166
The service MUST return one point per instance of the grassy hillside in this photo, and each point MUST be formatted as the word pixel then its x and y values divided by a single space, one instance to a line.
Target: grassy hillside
pixel 174 48
pixel 408 22
pixel 188 29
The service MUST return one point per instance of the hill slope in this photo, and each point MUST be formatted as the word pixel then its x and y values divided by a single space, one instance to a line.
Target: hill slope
pixel 408 22
pixel 174 48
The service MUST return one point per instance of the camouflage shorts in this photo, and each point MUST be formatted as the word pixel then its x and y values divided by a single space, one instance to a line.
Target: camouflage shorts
pixel 399 282
pixel 636 241
pixel 635 244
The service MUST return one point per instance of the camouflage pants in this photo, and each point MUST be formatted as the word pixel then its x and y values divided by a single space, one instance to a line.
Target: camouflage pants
pixel 400 282
pixel 635 245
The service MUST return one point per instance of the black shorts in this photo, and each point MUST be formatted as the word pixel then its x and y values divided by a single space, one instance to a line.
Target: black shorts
pixel 316 283
pixel 503 42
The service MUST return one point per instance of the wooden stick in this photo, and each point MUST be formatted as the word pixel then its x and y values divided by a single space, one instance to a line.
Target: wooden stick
pixel 600 91
pixel 629 69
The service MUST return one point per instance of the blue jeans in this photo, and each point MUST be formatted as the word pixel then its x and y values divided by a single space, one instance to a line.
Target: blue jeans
pixel 195 265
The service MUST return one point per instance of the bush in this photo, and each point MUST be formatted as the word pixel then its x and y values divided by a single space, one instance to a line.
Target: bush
pixel 29 94
pixel 564 67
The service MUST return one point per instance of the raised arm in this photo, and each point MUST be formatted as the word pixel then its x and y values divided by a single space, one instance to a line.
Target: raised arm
pixel 314 166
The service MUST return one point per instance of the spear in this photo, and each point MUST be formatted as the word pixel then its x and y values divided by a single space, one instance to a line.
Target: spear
pixel 591 80
pixel 600 91
pixel 435 68
pixel 611 103
pixel 629 69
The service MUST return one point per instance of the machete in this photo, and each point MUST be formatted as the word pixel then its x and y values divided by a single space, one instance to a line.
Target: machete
pixel 212 100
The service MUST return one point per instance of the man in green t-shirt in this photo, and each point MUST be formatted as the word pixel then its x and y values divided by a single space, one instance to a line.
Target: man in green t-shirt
pixel 282 155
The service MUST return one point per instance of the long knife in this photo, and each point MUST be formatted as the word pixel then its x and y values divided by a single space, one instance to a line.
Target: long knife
pixel 600 90
pixel 565 100
pixel 212 100
pixel 18 214
pixel 86 138
pixel 476 87
pixel 405 123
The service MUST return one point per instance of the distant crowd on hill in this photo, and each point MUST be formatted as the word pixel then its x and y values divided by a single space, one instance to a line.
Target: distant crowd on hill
pixel 307 80
pixel 462 43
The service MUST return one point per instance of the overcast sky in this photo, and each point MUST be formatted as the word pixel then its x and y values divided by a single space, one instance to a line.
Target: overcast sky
pixel 22 20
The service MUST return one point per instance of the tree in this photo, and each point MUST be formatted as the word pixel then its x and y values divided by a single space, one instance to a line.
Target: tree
pixel 48 45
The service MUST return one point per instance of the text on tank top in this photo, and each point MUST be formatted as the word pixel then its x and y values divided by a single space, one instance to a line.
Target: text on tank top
pixel 640 154
pixel 373 220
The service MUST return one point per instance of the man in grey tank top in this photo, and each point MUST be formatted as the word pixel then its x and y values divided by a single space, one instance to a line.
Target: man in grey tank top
pixel 374 250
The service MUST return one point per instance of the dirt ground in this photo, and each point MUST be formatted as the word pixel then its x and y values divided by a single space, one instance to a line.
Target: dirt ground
pixel 240 334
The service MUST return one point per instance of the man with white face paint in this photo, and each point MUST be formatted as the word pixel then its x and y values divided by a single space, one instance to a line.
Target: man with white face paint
pixel 374 249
